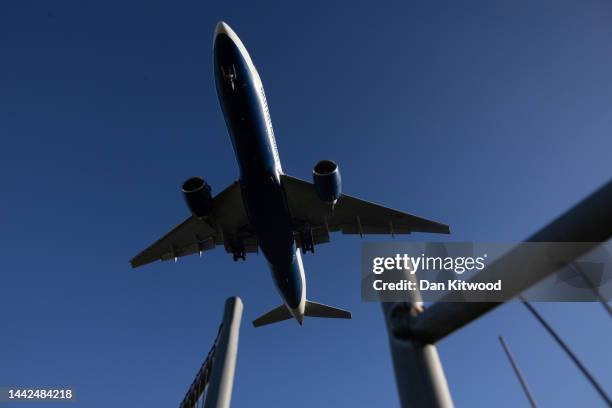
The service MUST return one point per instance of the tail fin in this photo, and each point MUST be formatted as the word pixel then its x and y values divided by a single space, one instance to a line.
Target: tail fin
pixel 314 309
pixel 275 315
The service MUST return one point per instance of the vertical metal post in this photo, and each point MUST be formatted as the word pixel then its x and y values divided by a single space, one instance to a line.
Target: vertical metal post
pixel 421 382
pixel 219 393
pixel 518 373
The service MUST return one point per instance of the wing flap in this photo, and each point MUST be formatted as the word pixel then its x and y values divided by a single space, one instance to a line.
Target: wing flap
pixel 357 216
pixel 190 236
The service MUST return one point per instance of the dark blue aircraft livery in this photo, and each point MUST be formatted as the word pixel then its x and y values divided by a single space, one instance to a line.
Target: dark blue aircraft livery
pixel 267 209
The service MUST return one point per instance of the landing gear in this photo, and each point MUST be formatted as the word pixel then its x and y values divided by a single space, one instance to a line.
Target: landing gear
pixel 235 246
pixel 239 255
pixel 307 241
pixel 229 75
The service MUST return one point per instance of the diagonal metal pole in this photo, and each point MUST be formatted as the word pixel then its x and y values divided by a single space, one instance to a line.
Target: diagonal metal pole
pixel 570 353
pixel 518 373
pixel 589 222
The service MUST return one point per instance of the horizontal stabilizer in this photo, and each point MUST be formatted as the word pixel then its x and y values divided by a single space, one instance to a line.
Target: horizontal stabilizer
pixel 314 309
pixel 275 315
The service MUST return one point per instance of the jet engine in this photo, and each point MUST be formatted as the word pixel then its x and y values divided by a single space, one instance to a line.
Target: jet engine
pixel 197 196
pixel 327 181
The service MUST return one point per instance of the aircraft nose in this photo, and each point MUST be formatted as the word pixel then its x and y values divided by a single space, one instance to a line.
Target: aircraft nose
pixel 222 28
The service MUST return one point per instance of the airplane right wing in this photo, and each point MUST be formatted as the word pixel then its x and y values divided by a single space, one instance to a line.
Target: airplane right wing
pixel 350 215
pixel 227 225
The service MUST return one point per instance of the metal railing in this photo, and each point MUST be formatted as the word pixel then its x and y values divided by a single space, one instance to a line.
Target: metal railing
pixel 414 331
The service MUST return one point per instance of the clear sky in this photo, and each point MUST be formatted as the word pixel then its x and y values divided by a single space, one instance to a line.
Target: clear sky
pixel 493 117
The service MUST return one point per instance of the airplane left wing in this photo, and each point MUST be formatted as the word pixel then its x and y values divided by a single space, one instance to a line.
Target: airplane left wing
pixel 350 215
pixel 180 241
pixel 227 225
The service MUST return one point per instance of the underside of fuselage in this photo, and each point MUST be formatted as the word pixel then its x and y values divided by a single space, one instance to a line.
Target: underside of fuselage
pixel 245 109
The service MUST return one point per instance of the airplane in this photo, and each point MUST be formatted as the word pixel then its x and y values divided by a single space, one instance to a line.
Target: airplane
pixel 267 209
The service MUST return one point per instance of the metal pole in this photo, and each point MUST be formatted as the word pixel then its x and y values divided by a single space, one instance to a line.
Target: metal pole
pixel 219 393
pixel 421 382
pixel 413 332
pixel 588 222
pixel 570 353
pixel 518 373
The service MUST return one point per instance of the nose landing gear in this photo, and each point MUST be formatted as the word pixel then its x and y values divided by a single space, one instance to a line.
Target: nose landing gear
pixel 229 75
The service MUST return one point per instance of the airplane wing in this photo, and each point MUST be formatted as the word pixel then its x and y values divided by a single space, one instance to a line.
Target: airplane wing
pixel 350 215
pixel 227 225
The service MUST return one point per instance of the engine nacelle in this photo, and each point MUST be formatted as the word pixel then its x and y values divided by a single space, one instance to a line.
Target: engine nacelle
pixel 197 196
pixel 327 181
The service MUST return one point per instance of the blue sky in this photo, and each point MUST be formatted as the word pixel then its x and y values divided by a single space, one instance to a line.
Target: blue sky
pixel 493 117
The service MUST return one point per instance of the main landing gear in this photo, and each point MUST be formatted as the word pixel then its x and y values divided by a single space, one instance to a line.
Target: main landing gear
pixel 236 247
pixel 241 254
pixel 307 241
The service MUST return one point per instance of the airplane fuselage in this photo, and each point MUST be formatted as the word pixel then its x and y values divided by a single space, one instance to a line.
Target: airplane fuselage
pixel 243 101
